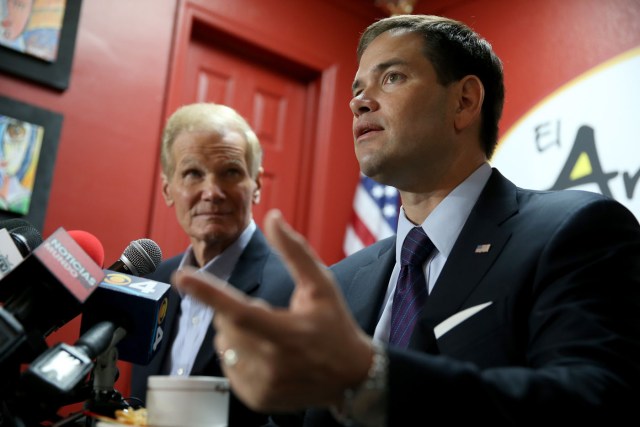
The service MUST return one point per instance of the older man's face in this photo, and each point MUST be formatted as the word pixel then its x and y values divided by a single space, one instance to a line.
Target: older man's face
pixel 211 187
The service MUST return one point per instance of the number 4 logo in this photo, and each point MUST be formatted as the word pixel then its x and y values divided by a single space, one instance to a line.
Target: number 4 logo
pixel 146 287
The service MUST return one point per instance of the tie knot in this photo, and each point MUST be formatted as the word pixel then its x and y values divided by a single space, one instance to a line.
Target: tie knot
pixel 416 247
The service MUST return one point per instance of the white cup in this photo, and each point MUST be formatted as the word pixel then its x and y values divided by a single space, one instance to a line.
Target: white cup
pixel 196 401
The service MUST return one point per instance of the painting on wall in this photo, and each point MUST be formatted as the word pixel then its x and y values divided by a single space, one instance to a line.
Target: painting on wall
pixel 37 39
pixel 28 145
pixel 20 144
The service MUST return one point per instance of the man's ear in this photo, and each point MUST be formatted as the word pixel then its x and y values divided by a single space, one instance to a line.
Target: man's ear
pixel 256 191
pixel 165 190
pixel 469 102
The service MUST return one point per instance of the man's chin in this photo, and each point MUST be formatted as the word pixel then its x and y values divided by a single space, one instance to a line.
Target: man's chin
pixel 213 230
pixel 374 172
pixel 217 235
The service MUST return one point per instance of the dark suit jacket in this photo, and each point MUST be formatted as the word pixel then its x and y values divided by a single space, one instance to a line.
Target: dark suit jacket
pixel 558 345
pixel 259 273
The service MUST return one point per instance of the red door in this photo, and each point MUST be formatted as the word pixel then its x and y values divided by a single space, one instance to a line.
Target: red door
pixel 273 102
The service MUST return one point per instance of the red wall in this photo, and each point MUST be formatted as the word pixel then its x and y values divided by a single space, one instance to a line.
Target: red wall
pixel 545 43
pixel 114 108
pixel 105 165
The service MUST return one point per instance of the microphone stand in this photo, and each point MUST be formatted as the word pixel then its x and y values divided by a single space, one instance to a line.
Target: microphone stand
pixel 105 398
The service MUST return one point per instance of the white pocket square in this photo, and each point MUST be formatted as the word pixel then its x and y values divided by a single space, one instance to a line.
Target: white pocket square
pixel 453 321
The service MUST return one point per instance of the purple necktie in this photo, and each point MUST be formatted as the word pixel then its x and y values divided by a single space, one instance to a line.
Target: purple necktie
pixel 411 290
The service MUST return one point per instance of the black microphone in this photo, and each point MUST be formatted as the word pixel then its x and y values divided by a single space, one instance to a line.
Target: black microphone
pixel 140 258
pixel 62 368
pixel 135 304
pixel 121 320
pixel 43 292
pixel 17 239
pixel 24 235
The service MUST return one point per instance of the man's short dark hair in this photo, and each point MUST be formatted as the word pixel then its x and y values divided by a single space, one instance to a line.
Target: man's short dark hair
pixel 455 51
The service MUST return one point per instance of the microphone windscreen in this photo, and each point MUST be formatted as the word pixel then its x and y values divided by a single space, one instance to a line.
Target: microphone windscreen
pixel 140 258
pixel 90 244
pixel 144 254
pixel 25 236
pixel 12 223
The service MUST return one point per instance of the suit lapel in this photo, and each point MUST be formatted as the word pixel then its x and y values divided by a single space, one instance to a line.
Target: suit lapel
pixel 246 276
pixel 369 285
pixel 480 242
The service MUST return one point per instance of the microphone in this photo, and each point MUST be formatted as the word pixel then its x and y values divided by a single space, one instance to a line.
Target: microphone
pixel 140 258
pixel 43 292
pixel 137 305
pixel 25 236
pixel 17 239
pixel 60 376
pixel 91 245
pixel 60 369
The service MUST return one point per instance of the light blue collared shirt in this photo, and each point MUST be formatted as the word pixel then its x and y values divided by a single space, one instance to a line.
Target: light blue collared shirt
pixel 195 317
pixel 443 227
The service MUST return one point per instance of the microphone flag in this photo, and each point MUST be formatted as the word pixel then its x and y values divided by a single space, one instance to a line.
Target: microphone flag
pixel 136 304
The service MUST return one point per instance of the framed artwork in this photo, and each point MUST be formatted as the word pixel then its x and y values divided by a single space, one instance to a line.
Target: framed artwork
pixel 37 39
pixel 28 146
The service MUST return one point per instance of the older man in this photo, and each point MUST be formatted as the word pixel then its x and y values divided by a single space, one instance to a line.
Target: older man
pixel 211 176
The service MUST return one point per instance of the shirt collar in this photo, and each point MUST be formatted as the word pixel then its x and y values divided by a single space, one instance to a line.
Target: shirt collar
pixel 222 265
pixel 444 223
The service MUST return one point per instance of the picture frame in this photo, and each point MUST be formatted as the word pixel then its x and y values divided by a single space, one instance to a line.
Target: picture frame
pixel 51 123
pixel 55 74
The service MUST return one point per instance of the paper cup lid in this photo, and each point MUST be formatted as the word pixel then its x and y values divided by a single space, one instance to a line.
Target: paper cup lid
pixel 169 382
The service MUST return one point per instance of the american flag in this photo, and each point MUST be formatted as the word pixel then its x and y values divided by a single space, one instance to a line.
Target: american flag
pixel 375 215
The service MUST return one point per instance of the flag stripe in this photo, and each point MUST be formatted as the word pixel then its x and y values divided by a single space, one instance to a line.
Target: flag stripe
pixel 375 215
pixel 365 236
pixel 370 213
pixel 352 242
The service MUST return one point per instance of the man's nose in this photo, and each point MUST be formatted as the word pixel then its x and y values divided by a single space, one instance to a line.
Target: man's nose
pixel 211 189
pixel 362 103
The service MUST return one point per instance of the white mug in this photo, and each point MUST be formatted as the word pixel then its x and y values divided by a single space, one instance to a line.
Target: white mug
pixel 197 401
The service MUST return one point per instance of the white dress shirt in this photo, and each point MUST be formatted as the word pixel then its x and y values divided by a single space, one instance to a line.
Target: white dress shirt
pixel 195 317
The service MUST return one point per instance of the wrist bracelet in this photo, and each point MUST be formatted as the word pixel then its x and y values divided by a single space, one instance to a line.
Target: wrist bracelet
pixel 366 405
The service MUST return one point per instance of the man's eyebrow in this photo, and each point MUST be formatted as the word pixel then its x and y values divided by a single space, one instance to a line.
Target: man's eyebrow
pixel 379 68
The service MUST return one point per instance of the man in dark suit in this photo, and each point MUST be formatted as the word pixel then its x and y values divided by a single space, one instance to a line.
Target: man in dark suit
pixel 526 304
pixel 211 173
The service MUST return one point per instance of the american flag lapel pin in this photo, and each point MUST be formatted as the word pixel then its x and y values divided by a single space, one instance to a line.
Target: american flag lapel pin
pixel 483 249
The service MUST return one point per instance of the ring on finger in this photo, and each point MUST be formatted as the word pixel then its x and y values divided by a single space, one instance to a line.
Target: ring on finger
pixel 230 357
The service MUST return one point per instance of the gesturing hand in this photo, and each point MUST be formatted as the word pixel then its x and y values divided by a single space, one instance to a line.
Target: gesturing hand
pixel 286 359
